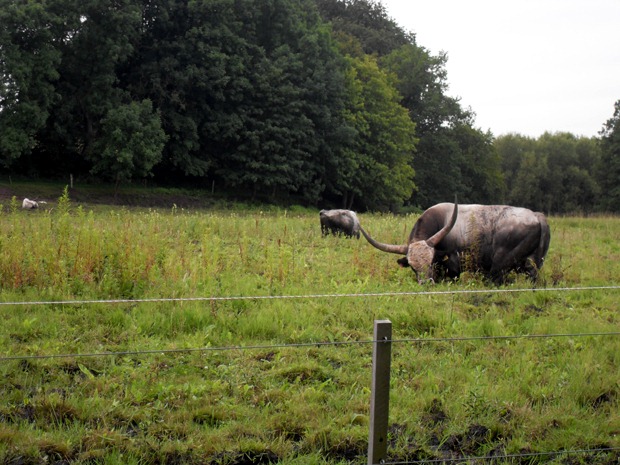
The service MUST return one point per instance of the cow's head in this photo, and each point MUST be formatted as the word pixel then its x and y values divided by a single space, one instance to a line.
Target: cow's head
pixel 418 255
pixel 421 254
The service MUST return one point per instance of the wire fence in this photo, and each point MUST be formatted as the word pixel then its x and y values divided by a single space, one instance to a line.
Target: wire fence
pixel 307 344
pixel 312 296
pixel 494 458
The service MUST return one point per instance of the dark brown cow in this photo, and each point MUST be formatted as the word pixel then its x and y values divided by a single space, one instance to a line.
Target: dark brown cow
pixel 496 239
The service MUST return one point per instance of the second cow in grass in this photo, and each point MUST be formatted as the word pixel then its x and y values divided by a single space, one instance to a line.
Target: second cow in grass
pixel 340 222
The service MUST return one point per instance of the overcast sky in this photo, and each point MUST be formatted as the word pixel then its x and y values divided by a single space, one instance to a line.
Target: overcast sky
pixel 526 66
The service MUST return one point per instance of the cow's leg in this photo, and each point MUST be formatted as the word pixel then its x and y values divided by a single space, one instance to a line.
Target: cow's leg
pixel 512 248
pixel 507 259
pixel 532 266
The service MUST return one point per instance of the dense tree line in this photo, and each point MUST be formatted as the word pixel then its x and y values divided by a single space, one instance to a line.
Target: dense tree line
pixel 562 173
pixel 317 101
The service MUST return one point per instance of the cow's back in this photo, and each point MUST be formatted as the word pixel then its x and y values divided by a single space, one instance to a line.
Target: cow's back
pixel 485 228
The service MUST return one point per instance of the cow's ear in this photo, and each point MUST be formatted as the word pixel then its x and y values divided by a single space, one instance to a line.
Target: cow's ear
pixel 403 262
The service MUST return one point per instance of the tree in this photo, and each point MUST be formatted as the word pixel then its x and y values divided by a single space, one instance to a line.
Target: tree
pixel 529 186
pixel 450 147
pixel 365 20
pixel 481 175
pixel 581 192
pixel 101 37
pixel 570 185
pixel 29 61
pixel 292 119
pixel 130 144
pixel 554 173
pixel 382 153
pixel 609 171
pixel 191 62
pixel 421 79
pixel 512 149
pixel 251 93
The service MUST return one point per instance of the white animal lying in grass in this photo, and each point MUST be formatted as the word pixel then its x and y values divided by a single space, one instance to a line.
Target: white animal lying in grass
pixel 28 204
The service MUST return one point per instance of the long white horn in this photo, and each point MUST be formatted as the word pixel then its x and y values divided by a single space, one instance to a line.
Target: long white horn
pixel 443 232
pixel 399 249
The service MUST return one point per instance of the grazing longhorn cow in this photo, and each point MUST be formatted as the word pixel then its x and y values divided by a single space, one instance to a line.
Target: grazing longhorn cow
pixel 340 222
pixel 496 238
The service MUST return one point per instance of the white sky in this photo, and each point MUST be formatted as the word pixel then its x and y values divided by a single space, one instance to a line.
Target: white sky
pixel 526 66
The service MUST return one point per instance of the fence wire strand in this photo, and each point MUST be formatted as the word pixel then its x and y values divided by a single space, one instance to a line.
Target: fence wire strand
pixel 303 344
pixel 306 344
pixel 312 296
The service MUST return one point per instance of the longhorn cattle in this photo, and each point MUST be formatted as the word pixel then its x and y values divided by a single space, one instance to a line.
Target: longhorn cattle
pixel 340 222
pixel 493 239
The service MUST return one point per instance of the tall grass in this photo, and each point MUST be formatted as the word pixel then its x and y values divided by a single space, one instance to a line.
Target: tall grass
pixel 288 404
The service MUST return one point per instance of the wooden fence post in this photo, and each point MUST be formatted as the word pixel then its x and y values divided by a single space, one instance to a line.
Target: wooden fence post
pixel 380 392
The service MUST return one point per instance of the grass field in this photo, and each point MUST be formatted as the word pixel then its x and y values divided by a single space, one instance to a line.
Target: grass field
pixel 123 382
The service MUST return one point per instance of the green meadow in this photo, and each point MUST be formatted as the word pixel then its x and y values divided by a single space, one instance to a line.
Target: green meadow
pixel 197 358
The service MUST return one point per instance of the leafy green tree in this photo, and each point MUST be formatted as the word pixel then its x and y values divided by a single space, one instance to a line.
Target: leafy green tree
pixel 365 20
pixel 29 62
pixel 292 114
pixel 557 149
pixel 481 173
pixel 512 149
pixel 554 173
pixel 381 156
pixel 570 185
pixel 100 38
pixel 452 157
pixel 581 192
pixel 130 143
pixel 529 185
pixel 609 171
pixel 422 82
pixel 191 63
pixel 251 93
